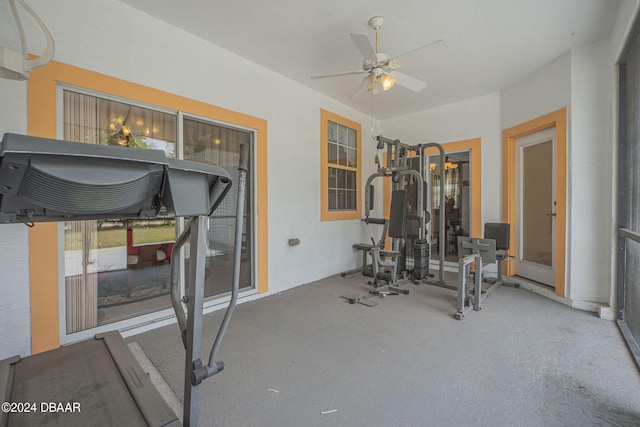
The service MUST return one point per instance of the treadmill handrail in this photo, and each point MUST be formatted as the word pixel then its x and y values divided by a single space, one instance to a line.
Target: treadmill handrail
pixel 213 366
pixel 174 288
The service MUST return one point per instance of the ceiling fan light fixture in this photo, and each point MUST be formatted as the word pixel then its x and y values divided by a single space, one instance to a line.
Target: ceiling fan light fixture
pixel 369 81
pixel 387 81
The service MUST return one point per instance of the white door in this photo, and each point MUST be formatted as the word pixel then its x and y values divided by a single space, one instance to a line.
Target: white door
pixel 536 207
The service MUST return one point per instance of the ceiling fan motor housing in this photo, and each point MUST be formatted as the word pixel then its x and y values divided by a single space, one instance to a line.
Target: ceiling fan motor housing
pixel 382 63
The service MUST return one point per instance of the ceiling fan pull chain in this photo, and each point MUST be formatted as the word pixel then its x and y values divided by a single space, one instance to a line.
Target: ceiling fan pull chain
pixel 371 109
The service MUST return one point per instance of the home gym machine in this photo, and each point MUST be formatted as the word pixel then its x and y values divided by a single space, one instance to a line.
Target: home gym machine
pixel 407 168
pixel 45 180
pixel 408 258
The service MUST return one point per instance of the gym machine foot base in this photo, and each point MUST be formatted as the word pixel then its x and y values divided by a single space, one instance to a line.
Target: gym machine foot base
pixel 381 292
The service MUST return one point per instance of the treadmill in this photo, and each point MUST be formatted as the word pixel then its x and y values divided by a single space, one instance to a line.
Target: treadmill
pixel 98 382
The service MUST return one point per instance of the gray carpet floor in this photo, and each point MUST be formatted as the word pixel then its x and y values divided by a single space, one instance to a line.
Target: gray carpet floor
pixel 306 357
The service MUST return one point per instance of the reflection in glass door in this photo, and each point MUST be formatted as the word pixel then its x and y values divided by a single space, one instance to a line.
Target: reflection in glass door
pixel 218 144
pixel 457 209
pixel 115 270
pixel 536 207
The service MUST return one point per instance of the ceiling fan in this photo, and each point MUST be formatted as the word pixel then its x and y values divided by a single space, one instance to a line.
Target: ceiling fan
pixel 380 67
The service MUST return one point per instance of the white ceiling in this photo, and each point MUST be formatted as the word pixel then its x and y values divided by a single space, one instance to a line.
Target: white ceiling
pixel 491 43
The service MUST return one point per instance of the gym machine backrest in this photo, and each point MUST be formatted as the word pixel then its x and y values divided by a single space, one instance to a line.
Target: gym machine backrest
pixel 43 180
pixel 498 232
pixel 388 269
pixel 398 214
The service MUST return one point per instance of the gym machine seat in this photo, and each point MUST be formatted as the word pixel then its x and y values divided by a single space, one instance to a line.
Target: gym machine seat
pixel 366 268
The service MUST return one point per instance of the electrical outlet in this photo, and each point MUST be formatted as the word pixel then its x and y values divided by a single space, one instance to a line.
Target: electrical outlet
pixel 12 65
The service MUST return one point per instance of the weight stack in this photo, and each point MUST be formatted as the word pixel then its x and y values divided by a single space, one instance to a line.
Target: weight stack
pixel 402 261
pixel 420 259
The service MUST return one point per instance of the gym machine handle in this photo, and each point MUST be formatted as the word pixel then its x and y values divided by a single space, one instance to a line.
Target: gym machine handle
pixel 174 289
pixel 244 157
pixel 380 221
pixel 215 367
pixel 201 371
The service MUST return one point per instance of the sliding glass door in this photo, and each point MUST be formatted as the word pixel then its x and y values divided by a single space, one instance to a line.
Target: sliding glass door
pixel 217 144
pixel 118 271
pixel 628 266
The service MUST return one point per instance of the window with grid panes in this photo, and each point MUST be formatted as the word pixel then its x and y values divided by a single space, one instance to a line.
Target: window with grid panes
pixel 341 167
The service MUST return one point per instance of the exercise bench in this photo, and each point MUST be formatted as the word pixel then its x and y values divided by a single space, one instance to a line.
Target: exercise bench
pixel 384 263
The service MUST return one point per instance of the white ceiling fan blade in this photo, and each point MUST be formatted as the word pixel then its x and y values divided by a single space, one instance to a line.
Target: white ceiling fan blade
pixel 361 89
pixel 364 46
pixel 344 73
pixel 401 60
pixel 407 81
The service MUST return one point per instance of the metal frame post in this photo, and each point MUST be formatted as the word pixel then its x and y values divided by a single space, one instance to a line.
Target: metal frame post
pixel 464 268
pixel 478 285
pixel 195 302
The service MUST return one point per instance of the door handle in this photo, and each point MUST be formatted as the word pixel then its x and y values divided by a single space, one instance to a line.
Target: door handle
pixel 551 214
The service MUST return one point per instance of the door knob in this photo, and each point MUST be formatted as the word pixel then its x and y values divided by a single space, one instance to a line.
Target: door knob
pixel 551 214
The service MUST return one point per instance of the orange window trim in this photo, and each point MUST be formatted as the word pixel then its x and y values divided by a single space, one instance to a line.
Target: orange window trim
pixel 325 213
pixel 509 136
pixel 43 238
